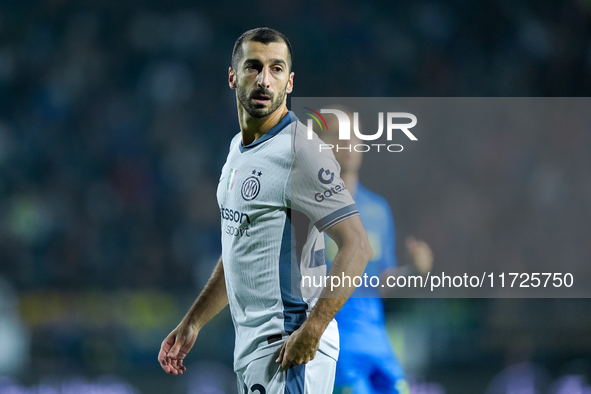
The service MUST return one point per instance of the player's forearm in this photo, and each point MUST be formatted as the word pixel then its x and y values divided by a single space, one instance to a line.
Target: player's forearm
pixel 349 261
pixel 211 301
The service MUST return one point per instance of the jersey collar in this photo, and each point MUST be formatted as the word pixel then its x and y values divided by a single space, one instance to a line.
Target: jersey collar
pixel 283 123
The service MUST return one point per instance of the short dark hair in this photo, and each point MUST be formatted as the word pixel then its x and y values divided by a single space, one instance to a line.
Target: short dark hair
pixel 264 35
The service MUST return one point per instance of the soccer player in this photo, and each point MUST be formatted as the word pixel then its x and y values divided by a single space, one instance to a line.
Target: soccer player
pixel 366 363
pixel 285 341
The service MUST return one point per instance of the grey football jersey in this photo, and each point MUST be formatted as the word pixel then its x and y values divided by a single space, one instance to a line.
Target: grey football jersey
pixel 275 196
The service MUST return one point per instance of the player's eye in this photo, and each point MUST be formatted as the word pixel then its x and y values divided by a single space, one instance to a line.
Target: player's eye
pixel 277 69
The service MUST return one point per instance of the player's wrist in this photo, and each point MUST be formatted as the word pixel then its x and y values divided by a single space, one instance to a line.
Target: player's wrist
pixel 314 326
pixel 192 323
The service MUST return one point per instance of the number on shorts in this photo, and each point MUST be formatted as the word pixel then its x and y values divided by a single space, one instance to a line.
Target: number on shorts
pixel 255 387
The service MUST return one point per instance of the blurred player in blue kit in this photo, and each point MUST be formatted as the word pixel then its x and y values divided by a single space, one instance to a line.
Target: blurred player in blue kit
pixel 366 362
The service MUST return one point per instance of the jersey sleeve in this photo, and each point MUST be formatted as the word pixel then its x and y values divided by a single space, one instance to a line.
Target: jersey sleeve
pixel 317 189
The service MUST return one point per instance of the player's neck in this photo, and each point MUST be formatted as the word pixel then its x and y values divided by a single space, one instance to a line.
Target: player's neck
pixel 254 128
pixel 351 179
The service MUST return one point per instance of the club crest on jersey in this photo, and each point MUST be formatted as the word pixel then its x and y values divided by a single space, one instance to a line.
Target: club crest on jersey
pixel 251 186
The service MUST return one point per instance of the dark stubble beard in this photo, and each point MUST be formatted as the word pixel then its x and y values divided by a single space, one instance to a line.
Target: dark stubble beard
pixel 250 106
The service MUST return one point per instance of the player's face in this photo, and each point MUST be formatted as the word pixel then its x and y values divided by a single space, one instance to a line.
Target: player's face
pixel 262 78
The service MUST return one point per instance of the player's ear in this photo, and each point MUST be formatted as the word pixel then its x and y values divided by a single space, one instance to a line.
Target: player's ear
pixel 289 86
pixel 232 78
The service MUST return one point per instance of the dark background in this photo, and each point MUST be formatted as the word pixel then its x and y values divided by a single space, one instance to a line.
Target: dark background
pixel 115 120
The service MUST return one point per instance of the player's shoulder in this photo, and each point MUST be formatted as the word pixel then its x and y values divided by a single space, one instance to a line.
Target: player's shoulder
pixel 309 147
pixel 302 139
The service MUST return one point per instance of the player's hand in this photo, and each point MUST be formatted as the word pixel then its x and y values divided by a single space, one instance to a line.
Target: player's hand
pixel 421 254
pixel 299 348
pixel 175 347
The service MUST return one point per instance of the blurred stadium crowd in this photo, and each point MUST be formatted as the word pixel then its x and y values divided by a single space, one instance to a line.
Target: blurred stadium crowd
pixel 115 118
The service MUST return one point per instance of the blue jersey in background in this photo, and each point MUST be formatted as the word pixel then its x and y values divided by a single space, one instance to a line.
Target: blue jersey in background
pixel 366 361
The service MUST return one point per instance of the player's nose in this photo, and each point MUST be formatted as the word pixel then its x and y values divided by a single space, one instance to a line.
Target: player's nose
pixel 263 78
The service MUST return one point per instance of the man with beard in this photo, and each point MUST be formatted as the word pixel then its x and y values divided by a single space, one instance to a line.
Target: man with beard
pixel 286 338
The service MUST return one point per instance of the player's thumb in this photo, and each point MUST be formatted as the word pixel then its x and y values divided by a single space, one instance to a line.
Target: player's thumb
pixel 281 353
pixel 175 349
